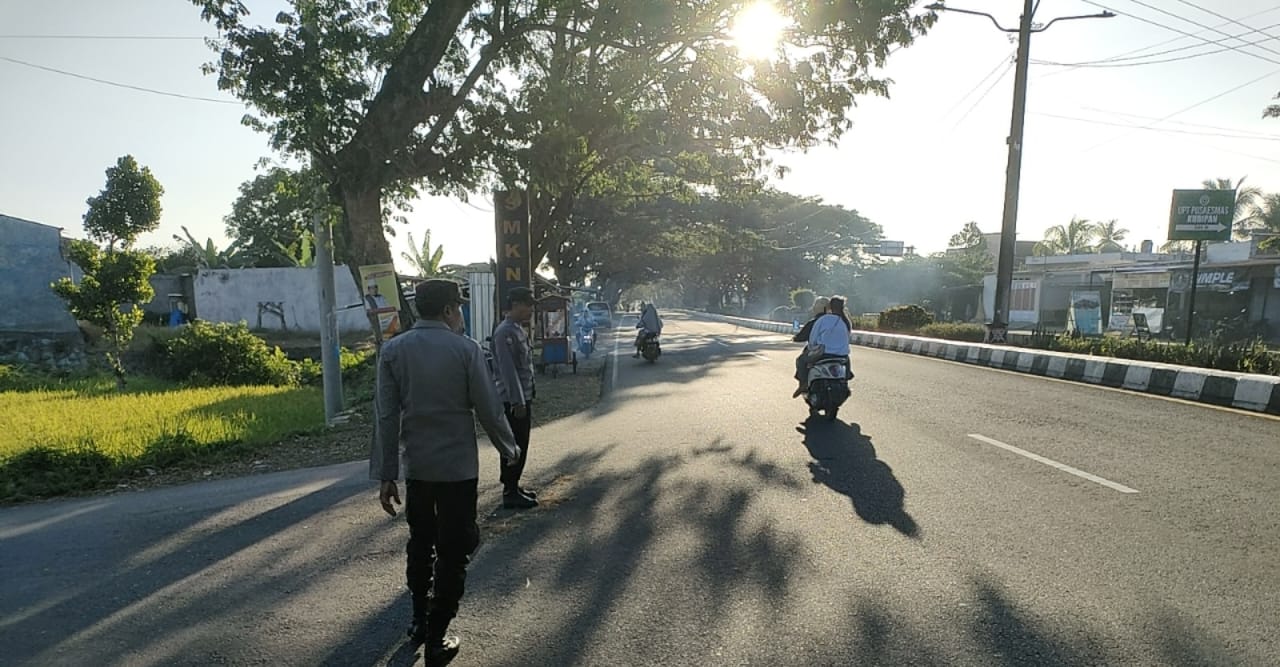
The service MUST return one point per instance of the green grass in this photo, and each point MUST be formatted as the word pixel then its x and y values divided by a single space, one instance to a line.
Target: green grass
pixel 80 434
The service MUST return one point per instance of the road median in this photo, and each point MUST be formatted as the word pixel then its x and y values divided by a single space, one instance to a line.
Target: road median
pixel 1245 391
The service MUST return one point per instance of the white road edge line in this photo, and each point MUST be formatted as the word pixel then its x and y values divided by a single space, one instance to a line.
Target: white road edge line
pixel 1054 464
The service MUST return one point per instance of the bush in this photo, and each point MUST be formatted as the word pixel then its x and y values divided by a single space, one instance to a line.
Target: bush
pixel 960 331
pixel 226 354
pixel 866 323
pixel 904 319
pixel 803 299
pixel 1242 358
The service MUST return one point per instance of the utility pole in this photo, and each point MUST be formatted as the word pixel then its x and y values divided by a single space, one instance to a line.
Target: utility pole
pixel 999 325
pixel 330 341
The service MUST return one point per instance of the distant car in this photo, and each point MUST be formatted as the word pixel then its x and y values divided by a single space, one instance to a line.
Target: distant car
pixel 600 313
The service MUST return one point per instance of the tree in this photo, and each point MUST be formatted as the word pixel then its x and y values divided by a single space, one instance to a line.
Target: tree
pixel 274 212
pixel 422 258
pixel 114 283
pixel 208 256
pixel 1267 219
pixel 1073 238
pixel 387 95
pixel 969 237
pixel 1247 198
pixel 1109 232
pixel 127 207
pixel 175 259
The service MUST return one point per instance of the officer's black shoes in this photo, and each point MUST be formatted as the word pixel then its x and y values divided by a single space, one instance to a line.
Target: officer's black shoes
pixel 418 630
pixel 514 500
pixel 441 651
pixel 527 493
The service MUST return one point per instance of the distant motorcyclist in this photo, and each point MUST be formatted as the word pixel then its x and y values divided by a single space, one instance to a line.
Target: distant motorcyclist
pixel 649 324
pixel 827 339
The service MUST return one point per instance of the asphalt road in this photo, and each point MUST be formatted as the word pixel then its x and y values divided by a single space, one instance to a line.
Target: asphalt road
pixel 693 519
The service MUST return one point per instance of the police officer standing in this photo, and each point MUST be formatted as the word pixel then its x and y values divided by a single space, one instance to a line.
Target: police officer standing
pixel 430 380
pixel 513 357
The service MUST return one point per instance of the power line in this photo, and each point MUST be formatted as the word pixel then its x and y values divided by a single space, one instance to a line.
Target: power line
pixel 1195 23
pixel 1182 32
pixel 1133 61
pixel 1120 56
pixel 116 83
pixel 992 87
pixel 1260 135
pixel 105 37
pixel 1003 61
pixel 1155 129
pixel 1193 106
pixel 1228 18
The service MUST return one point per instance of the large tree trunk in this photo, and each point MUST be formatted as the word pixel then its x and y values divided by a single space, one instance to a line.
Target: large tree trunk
pixel 366 242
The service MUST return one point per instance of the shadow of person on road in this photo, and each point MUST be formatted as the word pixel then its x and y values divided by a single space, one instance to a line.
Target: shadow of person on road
pixel 845 461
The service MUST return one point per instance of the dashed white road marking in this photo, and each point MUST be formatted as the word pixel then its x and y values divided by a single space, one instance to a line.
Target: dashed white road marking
pixel 1054 464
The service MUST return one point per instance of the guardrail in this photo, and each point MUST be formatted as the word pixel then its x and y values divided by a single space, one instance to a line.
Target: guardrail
pixel 1245 391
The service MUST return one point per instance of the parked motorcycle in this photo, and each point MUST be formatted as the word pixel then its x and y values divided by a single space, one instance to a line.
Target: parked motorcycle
pixel 828 387
pixel 650 349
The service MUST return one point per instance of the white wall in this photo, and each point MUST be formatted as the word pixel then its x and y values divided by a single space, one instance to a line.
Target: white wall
pixel 232 295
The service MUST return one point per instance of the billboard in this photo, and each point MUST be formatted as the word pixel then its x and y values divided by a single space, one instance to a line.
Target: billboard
pixel 382 296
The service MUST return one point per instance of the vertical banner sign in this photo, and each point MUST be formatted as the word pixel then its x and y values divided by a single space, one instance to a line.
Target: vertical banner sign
pixel 1085 314
pixel 382 296
pixel 514 265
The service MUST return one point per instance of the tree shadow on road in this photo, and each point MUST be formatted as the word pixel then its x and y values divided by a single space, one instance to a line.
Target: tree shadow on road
pixel 845 461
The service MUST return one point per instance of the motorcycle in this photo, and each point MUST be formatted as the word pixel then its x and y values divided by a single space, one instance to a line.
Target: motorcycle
pixel 586 340
pixel 649 347
pixel 828 387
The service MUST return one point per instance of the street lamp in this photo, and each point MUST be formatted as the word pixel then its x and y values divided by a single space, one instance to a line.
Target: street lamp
pixel 999 325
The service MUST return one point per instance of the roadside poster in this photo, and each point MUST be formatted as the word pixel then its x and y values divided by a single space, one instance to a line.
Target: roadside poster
pixel 382 296
pixel 1085 314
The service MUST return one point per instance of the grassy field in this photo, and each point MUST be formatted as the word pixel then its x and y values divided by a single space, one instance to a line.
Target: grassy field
pixel 84 434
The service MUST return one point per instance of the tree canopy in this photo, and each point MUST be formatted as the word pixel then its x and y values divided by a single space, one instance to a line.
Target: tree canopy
pixel 386 96
pixel 127 207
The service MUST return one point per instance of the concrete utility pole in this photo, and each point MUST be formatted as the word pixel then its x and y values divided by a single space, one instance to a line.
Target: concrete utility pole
pixel 330 341
pixel 999 325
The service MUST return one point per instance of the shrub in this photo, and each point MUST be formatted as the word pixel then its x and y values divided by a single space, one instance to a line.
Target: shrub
pixel 803 299
pixel 866 323
pixel 905 319
pixel 1242 358
pixel 226 354
pixel 961 331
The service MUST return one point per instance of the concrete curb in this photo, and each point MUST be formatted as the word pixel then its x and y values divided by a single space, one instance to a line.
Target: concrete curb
pixel 1258 393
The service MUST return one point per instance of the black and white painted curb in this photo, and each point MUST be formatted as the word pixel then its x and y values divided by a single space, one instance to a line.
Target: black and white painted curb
pixel 1259 393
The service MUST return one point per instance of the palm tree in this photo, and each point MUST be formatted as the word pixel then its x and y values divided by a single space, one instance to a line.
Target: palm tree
pixel 1109 235
pixel 1073 238
pixel 1246 208
pixel 1267 220
pixel 423 260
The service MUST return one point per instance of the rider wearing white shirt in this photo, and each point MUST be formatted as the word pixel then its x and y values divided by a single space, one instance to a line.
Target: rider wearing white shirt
pixel 829 338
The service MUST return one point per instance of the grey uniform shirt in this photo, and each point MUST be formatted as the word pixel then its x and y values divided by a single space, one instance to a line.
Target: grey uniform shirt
pixel 430 379
pixel 514 359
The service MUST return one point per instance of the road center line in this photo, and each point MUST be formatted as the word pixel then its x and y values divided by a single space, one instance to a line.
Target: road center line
pixel 1054 464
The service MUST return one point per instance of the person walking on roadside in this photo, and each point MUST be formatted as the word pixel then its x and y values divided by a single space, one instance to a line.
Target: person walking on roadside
pixel 513 357
pixel 430 383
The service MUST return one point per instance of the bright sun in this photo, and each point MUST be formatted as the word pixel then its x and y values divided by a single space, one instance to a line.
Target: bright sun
pixel 757 30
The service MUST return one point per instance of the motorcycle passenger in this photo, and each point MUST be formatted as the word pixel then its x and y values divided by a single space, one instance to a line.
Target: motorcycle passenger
pixel 829 339
pixel 802 360
pixel 649 323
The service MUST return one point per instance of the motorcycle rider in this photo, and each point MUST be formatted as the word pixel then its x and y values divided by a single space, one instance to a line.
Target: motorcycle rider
pixel 802 360
pixel 649 323
pixel 828 339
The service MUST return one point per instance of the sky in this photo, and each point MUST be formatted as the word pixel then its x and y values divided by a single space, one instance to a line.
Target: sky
pixel 1100 142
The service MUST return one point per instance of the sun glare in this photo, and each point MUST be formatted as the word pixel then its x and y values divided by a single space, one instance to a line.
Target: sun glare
pixel 757 30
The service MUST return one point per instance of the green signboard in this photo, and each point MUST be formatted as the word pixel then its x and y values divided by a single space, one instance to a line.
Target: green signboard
pixel 1202 215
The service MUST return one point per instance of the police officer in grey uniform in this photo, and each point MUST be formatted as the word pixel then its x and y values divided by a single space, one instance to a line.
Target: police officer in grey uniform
pixel 430 380
pixel 513 357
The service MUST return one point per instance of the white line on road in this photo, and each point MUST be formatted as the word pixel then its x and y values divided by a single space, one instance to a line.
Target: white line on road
pixel 1054 464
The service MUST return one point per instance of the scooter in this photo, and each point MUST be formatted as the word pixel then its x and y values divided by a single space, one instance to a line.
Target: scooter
pixel 649 347
pixel 828 387
pixel 586 340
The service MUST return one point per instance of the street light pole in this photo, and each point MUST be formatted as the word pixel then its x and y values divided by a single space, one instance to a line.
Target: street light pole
pixel 999 325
